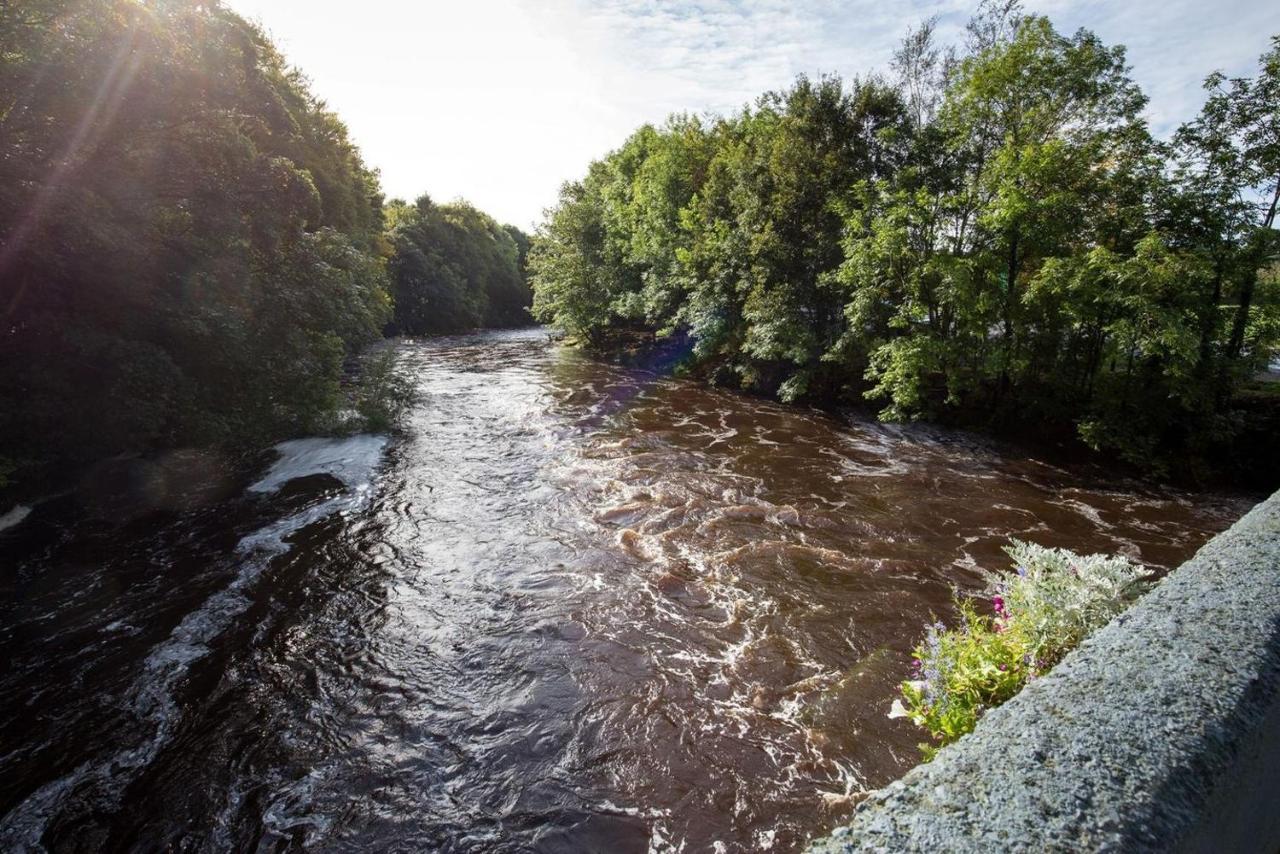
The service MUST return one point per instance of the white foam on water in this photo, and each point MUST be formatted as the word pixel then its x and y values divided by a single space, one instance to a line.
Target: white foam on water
pixel 289 810
pixel 850 785
pixel 153 696
pixel 660 841
pixel 14 517
pixel 1093 514
pixel 609 806
pixel 119 627
pixel 351 460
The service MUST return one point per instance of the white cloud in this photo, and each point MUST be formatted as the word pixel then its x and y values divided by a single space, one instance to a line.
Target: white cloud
pixel 502 100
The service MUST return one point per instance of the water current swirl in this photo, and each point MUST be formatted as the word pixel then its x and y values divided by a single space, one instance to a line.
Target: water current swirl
pixel 575 607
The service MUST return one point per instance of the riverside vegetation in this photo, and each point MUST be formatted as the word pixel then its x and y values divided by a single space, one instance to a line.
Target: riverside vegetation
pixel 192 247
pixel 990 235
pixel 194 253
pixel 1053 601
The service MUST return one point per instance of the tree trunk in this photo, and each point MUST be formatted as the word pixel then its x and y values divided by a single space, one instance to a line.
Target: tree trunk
pixel 1210 321
pixel 1236 344
pixel 1009 297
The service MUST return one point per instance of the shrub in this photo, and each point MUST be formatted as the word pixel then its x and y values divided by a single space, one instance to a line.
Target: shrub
pixel 1052 602
pixel 383 394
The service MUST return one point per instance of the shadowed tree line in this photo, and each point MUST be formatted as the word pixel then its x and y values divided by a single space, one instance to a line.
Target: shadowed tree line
pixel 191 247
pixel 987 235
pixel 454 267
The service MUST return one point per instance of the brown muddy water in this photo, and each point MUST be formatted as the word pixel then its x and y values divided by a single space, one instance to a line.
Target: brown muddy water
pixel 577 607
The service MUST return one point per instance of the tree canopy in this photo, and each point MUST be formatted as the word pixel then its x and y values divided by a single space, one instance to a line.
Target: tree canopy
pixel 453 268
pixel 190 239
pixel 190 244
pixel 988 235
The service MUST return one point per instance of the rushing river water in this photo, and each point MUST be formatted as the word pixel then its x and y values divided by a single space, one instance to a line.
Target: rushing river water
pixel 576 607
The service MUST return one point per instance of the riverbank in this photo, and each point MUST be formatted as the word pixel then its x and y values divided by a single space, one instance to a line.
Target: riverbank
pixel 371 398
pixel 1157 734
pixel 1246 464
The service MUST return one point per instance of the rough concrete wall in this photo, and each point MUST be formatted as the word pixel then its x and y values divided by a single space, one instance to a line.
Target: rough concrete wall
pixel 1157 734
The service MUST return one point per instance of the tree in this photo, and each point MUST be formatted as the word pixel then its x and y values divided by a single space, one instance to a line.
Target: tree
pixel 189 238
pixel 994 239
pixel 453 268
pixel 1229 165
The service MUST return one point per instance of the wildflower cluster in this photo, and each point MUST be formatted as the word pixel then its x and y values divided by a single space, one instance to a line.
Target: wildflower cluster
pixel 1040 613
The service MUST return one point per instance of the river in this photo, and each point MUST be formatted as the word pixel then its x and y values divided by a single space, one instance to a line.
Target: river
pixel 575 607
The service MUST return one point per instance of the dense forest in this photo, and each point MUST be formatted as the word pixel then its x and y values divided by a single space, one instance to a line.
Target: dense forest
pixel 193 248
pixel 988 235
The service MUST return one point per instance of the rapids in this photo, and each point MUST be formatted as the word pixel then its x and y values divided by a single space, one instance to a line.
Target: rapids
pixel 575 607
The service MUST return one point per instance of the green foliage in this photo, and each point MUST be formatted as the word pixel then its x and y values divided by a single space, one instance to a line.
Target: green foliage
pixel 1056 598
pixel 997 238
pixel 966 671
pixel 454 268
pixel 191 242
pixel 1053 601
pixel 384 393
pixel 572 276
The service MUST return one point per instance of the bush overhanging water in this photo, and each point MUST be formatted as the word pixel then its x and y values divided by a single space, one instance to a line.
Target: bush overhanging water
pixel 1053 601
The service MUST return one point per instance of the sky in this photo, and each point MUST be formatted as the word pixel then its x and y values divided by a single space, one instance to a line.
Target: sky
pixel 501 101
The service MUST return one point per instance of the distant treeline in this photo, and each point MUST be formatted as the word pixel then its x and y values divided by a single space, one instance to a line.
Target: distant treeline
pixel 455 268
pixel 190 245
pixel 988 235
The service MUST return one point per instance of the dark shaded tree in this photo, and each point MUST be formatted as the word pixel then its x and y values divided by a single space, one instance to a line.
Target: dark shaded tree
pixel 454 268
pixel 190 241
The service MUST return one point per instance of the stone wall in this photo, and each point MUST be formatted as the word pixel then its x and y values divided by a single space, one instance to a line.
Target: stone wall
pixel 1160 733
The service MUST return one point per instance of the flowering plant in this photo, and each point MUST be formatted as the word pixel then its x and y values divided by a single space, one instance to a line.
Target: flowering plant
pixel 1053 601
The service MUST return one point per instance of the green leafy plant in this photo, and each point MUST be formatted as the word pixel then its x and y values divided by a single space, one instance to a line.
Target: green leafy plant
pixel 1046 608
pixel 384 393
